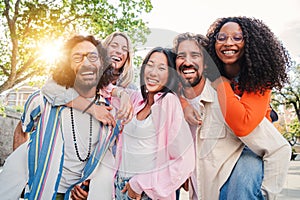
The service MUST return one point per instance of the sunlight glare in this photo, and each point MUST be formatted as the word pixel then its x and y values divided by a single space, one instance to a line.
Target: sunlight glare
pixel 49 51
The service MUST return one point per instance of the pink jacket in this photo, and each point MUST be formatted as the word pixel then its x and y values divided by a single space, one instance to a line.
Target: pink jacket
pixel 175 149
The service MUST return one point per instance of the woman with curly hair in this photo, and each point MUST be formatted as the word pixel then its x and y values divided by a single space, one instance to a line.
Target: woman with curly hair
pixel 251 61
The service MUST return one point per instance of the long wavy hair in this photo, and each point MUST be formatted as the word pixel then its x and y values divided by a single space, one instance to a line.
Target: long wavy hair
pixel 172 82
pixel 65 76
pixel 265 61
pixel 126 70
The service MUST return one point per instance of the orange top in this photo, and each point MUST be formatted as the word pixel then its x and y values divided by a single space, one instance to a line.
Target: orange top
pixel 245 113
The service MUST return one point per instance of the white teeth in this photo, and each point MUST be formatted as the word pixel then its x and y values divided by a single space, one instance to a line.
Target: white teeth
pixel 229 52
pixel 87 73
pixel 152 81
pixel 188 71
pixel 115 58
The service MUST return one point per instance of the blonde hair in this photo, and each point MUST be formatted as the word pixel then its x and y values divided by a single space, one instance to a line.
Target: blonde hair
pixel 126 76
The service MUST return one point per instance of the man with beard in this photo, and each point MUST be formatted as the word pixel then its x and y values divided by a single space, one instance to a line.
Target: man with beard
pixel 66 145
pixel 220 155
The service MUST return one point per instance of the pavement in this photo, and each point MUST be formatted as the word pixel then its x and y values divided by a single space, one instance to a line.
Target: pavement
pixel 291 189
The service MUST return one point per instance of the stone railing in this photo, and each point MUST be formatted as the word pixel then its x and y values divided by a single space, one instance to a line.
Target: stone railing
pixel 7 127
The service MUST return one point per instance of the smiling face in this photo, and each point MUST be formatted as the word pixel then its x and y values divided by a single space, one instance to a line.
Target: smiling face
pixel 117 50
pixel 189 63
pixel 156 72
pixel 231 48
pixel 86 64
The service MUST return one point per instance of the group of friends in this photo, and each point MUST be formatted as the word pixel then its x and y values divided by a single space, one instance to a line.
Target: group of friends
pixel 199 121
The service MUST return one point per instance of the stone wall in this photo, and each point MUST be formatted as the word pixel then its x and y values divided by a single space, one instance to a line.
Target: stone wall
pixel 7 127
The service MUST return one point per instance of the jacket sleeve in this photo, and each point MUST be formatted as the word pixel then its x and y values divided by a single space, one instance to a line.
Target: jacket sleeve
pixel 32 111
pixel 58 95
pixel 175 152
pixel 242 114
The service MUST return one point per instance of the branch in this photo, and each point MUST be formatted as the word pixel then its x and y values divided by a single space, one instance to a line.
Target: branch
pixel 66 23
pixel 5 72
pixel 24 68
pixel 277 101
pixel 6 11
pixel 283 95
pixel 24 78
pixel 16 14
pixel 13 37
pixel 26 29
pixel 75 18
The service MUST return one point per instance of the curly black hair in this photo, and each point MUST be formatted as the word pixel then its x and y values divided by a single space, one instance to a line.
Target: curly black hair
pixel 65 76
pixel 265 61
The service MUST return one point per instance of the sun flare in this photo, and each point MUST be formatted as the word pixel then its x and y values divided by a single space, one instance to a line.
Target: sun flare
pixel 49 51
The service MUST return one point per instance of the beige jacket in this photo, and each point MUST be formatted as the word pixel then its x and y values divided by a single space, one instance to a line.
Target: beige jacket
pixel 218 149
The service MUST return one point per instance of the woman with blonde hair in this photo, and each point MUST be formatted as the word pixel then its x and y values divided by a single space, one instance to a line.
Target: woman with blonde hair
pixel 120 50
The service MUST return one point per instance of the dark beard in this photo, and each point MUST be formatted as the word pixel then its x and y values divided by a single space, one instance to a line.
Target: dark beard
pixel 83 86
pixel 186 83
pixel 86 85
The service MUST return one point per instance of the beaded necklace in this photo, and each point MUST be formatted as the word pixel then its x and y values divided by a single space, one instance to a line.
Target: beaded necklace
pixel 75 141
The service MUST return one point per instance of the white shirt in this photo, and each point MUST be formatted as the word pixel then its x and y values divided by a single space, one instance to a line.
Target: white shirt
pixel 139 146
pixel 73 167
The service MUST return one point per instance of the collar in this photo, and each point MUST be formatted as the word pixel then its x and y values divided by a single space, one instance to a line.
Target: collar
pixel 157 96
pixel 207 95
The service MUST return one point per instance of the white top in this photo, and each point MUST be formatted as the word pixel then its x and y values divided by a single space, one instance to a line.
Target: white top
pixel 139 145
pixel 73 168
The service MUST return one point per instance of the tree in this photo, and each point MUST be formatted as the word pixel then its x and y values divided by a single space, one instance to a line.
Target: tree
pixel 289 96
pixel 30 24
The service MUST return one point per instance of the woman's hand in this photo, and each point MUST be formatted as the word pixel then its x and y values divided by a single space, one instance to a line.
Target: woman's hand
pixel 192 116
pixel 125 111
pixel 185 185
pixel 78 193
pixel 99 112
pixel 131 194
pixel 102 114
pixel 218 81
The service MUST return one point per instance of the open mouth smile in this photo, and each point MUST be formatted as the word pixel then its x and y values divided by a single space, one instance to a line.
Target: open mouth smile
pixel 229 53
pixel 116 59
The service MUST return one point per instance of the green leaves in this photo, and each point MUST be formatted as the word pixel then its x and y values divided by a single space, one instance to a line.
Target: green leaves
pixel 32 22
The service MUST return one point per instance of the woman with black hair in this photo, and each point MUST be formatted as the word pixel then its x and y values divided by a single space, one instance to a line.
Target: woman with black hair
pixel 155 153
pixel 251 61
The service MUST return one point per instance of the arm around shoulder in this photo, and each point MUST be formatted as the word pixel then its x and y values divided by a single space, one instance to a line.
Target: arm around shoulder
pixel 58 94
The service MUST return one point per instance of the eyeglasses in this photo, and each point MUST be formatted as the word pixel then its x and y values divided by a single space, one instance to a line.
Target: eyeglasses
pixel 236 38
pixel 91 56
